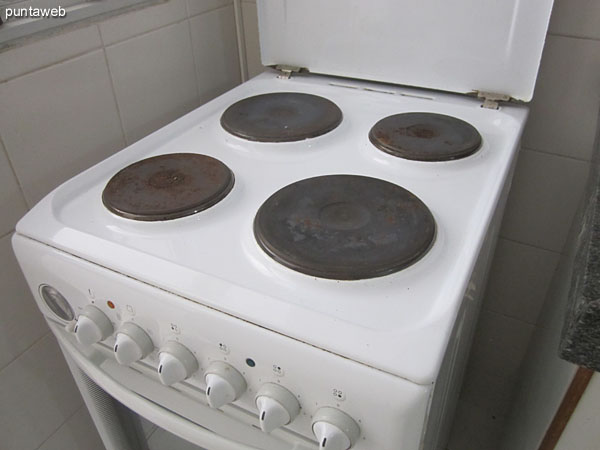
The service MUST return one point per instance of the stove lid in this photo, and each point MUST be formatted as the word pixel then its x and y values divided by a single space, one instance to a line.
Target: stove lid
pixel 460 46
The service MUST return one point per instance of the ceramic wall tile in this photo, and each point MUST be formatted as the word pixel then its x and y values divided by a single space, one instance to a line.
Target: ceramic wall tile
pixel 154 79
pixel 215 52
pixel 59 121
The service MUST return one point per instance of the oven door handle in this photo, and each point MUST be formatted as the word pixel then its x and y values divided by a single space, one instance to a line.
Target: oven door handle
pixel 168 420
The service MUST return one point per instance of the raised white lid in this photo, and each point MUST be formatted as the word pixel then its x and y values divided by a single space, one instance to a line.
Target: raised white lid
pixel 458 46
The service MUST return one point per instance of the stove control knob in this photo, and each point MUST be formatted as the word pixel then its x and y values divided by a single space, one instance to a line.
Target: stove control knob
pixel 224 384
pixel 175 363
pixel 132 344
pixel 334 429
pixel 92 326
pixel 276 406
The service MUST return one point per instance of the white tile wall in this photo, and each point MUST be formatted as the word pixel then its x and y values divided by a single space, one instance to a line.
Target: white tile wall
pixel 59 115
pixel 154 79
pixel 137 22
pixel 12 202
pixel 215 52
pixel 567 98
pixel 576 18
pixel 519 280
pixel 48 51
pixel 196 7
pixel 500 344
pixel 37 395
pixel 250 20
pixel 58 121
pixel 544 197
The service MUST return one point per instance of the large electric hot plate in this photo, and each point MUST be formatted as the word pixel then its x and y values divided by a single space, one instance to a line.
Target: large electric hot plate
pixel 344 227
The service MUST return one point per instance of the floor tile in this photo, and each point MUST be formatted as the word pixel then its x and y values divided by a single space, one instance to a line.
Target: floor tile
pixel 519 279
pixel 77 433
pixel 37 394
pixel 215 52
pixel 162 440
pixel 21 323
pixel 545 194
pixel 58 121
pixel 474 429
pixel 154 79
pixel 564 110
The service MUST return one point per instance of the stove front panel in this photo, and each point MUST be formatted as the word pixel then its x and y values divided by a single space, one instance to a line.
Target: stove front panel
pixel 390 411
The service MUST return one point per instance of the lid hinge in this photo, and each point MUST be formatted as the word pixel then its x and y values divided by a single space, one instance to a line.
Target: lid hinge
pixel 286 71
pixel 490 99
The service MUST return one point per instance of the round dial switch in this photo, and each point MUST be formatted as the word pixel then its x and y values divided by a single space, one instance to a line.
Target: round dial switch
pixel 224 384
pixel 175 363
pixel 131 344
pixel 276 407
pixel 92 326
pixel 334 429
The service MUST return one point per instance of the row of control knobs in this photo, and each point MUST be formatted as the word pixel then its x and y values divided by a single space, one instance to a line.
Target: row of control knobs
pixel 277 406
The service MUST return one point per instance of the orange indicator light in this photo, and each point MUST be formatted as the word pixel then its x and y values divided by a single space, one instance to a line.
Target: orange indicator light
pixel 110 304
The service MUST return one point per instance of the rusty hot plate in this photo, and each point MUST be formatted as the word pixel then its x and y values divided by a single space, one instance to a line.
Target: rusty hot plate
pixel 344 227
pixel 167 187
pixel 281 117
pixel 425 137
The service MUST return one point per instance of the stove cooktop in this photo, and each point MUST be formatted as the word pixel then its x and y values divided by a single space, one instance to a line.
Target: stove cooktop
pixel 399 322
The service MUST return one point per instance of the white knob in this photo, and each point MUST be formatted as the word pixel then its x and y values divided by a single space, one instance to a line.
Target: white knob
pixel 132 344
pixel 92 326
pixel 276 407
pixel 224 384
pixel 175 363
pixel 334 429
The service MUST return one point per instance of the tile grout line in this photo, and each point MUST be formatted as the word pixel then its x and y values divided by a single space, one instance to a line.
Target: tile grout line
pixel 112 88
pixel 52 64
pixel 8 233
pixel 546 152
pixel 2 369
pixel 572 36
pixel 502 236
pixel 14 172
pixel 61 425
pixel 506 316
pixel 102 44
pixel 196 72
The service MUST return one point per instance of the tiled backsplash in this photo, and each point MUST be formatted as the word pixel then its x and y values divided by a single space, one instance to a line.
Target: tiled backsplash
pixel 68 102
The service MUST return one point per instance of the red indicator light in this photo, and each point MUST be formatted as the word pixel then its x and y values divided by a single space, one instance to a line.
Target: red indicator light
pixel 110 304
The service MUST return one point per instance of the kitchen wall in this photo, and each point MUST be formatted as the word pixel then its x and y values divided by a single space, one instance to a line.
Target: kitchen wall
pixel 549 181
pixel 67 102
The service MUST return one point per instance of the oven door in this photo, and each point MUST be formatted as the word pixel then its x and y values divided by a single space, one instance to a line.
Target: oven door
pixel 101 379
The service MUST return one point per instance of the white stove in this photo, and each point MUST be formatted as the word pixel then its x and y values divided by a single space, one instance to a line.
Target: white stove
pixel 190 323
